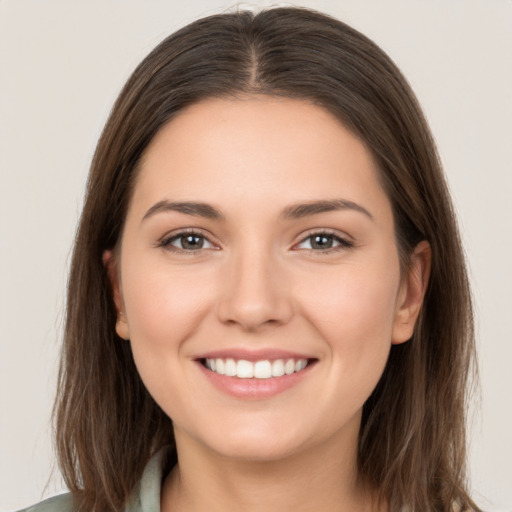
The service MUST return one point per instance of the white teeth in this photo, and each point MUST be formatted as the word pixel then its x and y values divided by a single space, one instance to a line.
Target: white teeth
pixel 230 367
pixel 219 366
pixel 263 369
pixel 300 365
pixel 277 368
pixel 289 367
pixel 244 369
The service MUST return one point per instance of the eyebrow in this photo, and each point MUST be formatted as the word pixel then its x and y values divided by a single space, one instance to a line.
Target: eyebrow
pixel 294 211
pixel 299 210
pixel 188 207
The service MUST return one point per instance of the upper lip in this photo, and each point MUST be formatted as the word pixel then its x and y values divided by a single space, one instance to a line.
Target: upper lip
pixel 252 355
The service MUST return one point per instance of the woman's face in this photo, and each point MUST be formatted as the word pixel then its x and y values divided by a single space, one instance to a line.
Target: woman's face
pixel 259 239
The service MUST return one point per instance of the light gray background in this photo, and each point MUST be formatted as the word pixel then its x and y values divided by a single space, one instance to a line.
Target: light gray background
pixel 62 64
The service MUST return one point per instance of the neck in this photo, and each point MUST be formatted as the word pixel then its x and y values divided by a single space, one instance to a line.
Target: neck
pixel 321 478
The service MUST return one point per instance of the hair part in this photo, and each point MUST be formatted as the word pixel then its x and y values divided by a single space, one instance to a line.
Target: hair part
pixel 412 446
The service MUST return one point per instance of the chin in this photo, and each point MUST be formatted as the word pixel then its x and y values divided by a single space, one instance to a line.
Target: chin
pixel 257 451
pixel 258 444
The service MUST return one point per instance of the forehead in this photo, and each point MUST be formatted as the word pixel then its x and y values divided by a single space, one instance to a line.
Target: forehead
pixel 255 150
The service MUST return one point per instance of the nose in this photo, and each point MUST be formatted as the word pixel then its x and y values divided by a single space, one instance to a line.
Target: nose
pixel 254 292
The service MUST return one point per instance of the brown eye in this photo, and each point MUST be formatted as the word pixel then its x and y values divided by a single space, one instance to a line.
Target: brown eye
pixel 192 242
pixel 322 241
pixel 325 242
pixel 186 241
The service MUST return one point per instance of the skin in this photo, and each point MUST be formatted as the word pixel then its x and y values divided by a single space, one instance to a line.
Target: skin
pixel 258 282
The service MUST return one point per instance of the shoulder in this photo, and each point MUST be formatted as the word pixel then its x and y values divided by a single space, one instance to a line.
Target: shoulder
pixel 60 503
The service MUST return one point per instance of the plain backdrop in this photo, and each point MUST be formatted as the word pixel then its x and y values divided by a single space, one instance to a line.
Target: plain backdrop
pixel 62 64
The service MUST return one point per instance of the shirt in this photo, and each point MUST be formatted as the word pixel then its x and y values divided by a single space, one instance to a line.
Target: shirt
pixel 144 498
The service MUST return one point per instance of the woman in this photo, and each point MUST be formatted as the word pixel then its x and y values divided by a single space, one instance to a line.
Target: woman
pixel 268 306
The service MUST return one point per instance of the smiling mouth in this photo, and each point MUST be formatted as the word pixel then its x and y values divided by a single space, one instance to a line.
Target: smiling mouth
pixel 263 369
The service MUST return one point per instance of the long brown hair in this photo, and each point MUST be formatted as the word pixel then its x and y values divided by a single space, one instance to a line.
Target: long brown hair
pixel 412 445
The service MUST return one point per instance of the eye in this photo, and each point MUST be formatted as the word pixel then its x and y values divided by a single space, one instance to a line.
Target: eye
pixel 186 241
pixel 325 242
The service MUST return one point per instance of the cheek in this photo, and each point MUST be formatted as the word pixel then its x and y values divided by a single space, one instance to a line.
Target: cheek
pixel 163 309
pixel 354 313
pixel 352 303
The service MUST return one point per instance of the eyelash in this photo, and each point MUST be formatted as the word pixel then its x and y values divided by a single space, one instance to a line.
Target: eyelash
pixel 344 244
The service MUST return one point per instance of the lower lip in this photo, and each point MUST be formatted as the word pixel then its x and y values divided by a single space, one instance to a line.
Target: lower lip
pixel 255 389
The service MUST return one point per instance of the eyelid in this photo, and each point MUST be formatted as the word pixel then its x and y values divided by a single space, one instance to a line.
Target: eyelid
pixel 346 242
pixel 165 240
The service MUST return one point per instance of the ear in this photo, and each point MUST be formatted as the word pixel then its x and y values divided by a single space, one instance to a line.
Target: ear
pixel 110 263
pixel 412 291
